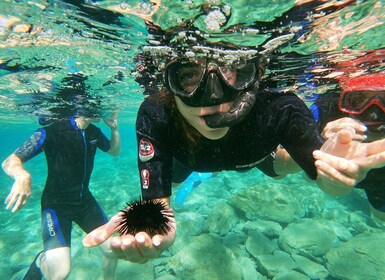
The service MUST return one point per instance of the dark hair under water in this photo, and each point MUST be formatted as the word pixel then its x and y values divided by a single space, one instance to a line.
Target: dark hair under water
pixel 189 132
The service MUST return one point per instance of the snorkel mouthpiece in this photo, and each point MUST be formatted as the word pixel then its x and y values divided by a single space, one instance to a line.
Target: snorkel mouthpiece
pixel 239 110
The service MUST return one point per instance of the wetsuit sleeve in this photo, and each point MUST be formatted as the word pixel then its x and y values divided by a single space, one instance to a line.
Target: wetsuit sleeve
pixel 267 165
pixel 325 109
pixel 103 142
pixel 32 147
pixel 295 128
pixel 154 150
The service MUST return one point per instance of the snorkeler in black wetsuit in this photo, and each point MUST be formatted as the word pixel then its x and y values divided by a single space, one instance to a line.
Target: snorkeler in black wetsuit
pixel 70 154
pixel 275 119
pixel 70 146
pixel 363 99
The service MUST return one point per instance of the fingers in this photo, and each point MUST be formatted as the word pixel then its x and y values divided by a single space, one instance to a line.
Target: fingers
pixel 355 126
pixel 333 182
pixel 372 162
pixel 138 248
pixel 334 164
pixel 17 201
pixel 102 233
pixel 345 136
pixel 376 147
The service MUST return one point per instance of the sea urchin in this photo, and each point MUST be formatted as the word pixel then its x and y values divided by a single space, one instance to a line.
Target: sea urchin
pixel 151 216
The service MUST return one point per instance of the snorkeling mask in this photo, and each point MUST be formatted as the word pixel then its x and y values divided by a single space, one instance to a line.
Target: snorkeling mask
pixel 361 93
pixel 364 98
pixel 204 82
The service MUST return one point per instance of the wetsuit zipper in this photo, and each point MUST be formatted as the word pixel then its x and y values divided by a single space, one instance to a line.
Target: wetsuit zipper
pixel 85 163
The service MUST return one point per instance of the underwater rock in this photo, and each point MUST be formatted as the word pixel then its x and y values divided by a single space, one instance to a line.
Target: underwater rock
pixel 189 223
pixel 290 275
pixel 340 230
pixel 272 202
pixel 129 270
pixel 362 257
pixel 205 257
pixel 258 244
pixel 222 219
pixel 359 222
pixel 309 238
pixel 268 228
pixel 235 242
pixel 271 265
pixel 249 271
pixel 309 268
pixel 166 277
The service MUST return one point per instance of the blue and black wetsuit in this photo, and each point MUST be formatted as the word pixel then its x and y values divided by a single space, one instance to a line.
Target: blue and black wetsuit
pixel 325 109
pixel 276 119
pixel 70 154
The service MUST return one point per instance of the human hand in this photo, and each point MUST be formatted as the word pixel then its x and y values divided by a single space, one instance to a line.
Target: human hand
pixel 342 163
pixel 138 248
pixel 334 127
pixel 112 122
pixel 20 192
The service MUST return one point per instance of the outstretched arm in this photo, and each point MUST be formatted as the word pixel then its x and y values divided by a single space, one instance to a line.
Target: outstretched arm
pixel 21 189
pixel 137 248
pixel 115 135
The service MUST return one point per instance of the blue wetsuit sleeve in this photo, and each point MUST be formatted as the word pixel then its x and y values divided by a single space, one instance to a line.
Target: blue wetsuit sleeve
pixel 155 156
pixel 32 147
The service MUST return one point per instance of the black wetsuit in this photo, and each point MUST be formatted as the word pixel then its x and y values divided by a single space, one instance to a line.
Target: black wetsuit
pixel 325 109
pixel 70 154
pixel 276 119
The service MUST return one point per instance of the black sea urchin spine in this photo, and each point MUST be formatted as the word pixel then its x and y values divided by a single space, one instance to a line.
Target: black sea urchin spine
pixel 151 216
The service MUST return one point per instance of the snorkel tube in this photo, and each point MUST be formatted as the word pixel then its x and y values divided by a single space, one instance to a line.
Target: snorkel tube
pixel 241 106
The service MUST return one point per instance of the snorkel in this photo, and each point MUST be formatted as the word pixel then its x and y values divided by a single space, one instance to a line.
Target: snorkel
pixel 241 106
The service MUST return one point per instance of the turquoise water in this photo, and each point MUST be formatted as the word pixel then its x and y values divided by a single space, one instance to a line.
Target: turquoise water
pixel 233 226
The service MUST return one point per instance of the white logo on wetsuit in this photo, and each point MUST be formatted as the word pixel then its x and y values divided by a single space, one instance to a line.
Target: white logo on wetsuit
pixel 146 150
pixel 145 174
pixel 50 224
pixel 253 164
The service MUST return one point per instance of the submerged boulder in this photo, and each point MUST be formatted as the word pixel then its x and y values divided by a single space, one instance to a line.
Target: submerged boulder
pixel 276 263
pixel 205 257
pixel 222 219
pixel 271 202
pixel 309 238
pixel 258 244
pixel 362 257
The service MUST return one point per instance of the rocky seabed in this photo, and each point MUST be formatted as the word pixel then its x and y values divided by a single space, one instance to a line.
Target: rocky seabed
pixel 274 231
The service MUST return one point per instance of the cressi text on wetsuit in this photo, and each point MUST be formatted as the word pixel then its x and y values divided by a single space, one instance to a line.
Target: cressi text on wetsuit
pixel 70 154
pixel 325 109
pixel 276 119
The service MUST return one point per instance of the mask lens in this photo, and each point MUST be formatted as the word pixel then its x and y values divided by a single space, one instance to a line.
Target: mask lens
pixel 356 102
pixel 239 77
pixel 184 77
